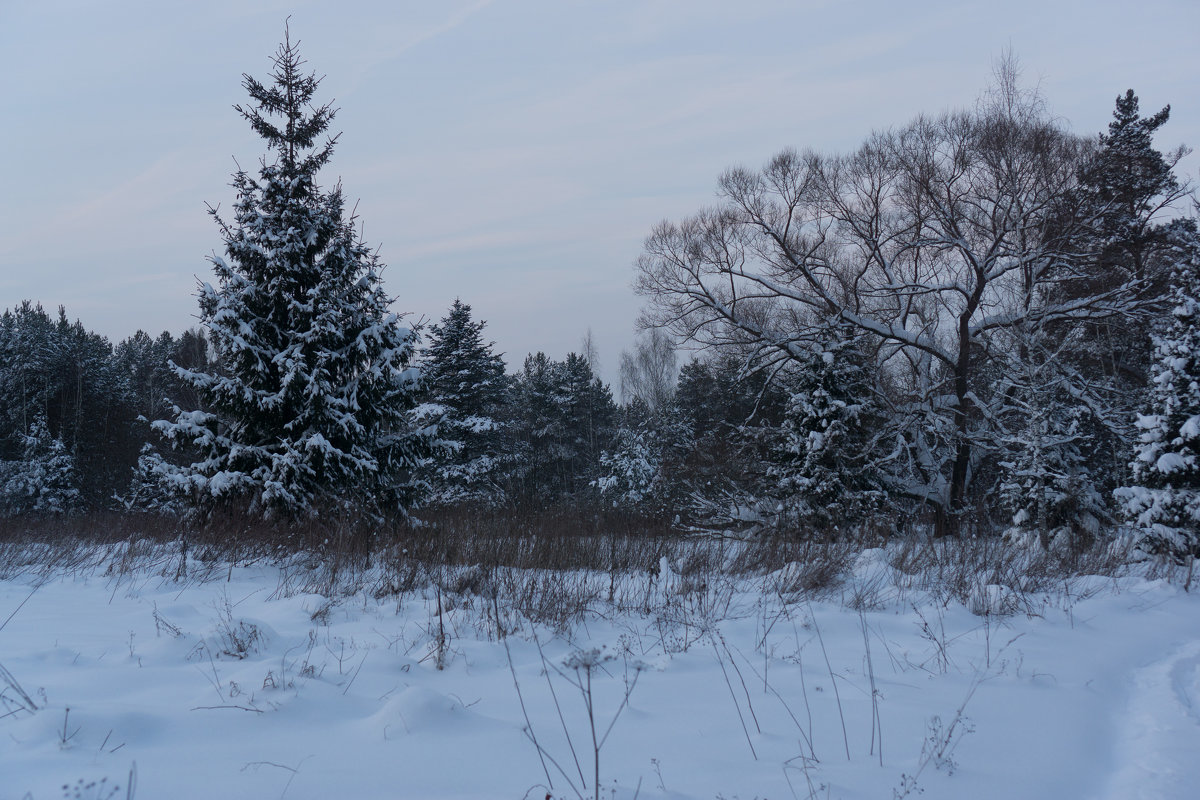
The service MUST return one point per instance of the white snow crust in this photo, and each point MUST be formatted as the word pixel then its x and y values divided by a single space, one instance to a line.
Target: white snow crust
pixel 1093 693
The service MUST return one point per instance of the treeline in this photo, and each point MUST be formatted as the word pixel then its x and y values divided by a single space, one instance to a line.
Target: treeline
pixel 77 416
pixel 74 409
pixel 978 322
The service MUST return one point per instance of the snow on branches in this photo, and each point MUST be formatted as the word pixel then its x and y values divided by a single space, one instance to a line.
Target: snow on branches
pixel 307 404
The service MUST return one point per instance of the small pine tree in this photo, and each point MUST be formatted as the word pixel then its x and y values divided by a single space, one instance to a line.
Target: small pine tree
pixel 463 392
pixel 1047 441
pixel 308 404
pixel 630 470
pixel 825 459
pixel 643 467
pixel 1164 498
pixel 44 481
pixel 149 489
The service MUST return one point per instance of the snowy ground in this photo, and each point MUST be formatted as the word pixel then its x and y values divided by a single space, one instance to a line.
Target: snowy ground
pixel 232 689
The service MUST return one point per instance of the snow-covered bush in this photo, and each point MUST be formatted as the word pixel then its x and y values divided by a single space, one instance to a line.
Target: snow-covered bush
pixel 149 488
pixel 1047 483
pixel 44 481
pixel 630 470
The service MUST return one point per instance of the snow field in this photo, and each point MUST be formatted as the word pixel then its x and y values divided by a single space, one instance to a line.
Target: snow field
pixel 231 688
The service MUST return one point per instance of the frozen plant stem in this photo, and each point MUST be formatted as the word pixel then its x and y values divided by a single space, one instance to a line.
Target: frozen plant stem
pixel 804 689
pixel 733 695
pixel 20 606
pixel 63 737
pixel 558 708
pixel 587 697
pixel 584 663
pixel 355 675
pixel 528 724
pixel 876 723
pixel 745 690
pixel 22 702
pixel 805 738
pixel 441 640
pixel 832 679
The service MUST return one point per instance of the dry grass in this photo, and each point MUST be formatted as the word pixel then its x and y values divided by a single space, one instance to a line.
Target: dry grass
pixel 557 566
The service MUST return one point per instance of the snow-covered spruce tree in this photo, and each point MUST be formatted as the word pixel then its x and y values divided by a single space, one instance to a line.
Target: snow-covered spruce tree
pixel 825 462
pixel 563 416
pixel 1164 498
pixel 463 388
pixel 307 407
pixel 630 470
pixel 150 489
pixel 643 466
pixel 44 480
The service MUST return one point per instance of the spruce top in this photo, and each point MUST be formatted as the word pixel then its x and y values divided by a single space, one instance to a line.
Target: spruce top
pixel 289 96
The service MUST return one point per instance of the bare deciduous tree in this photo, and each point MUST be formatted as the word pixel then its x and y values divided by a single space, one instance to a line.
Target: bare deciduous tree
pixel 940 240
pixel 649 372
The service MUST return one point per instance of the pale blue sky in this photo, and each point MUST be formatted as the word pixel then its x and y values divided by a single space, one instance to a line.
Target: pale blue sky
pixel 513 153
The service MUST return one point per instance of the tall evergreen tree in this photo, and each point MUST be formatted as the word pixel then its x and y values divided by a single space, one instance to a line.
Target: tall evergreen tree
pixel 1130 184
pixel 1126 189
pixel 589 417
pixel 1127 193
pixel 309 405
pixel 463 389
pixel 1164 498
pixel 723 418
pixel 535 431
pixel 32 364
